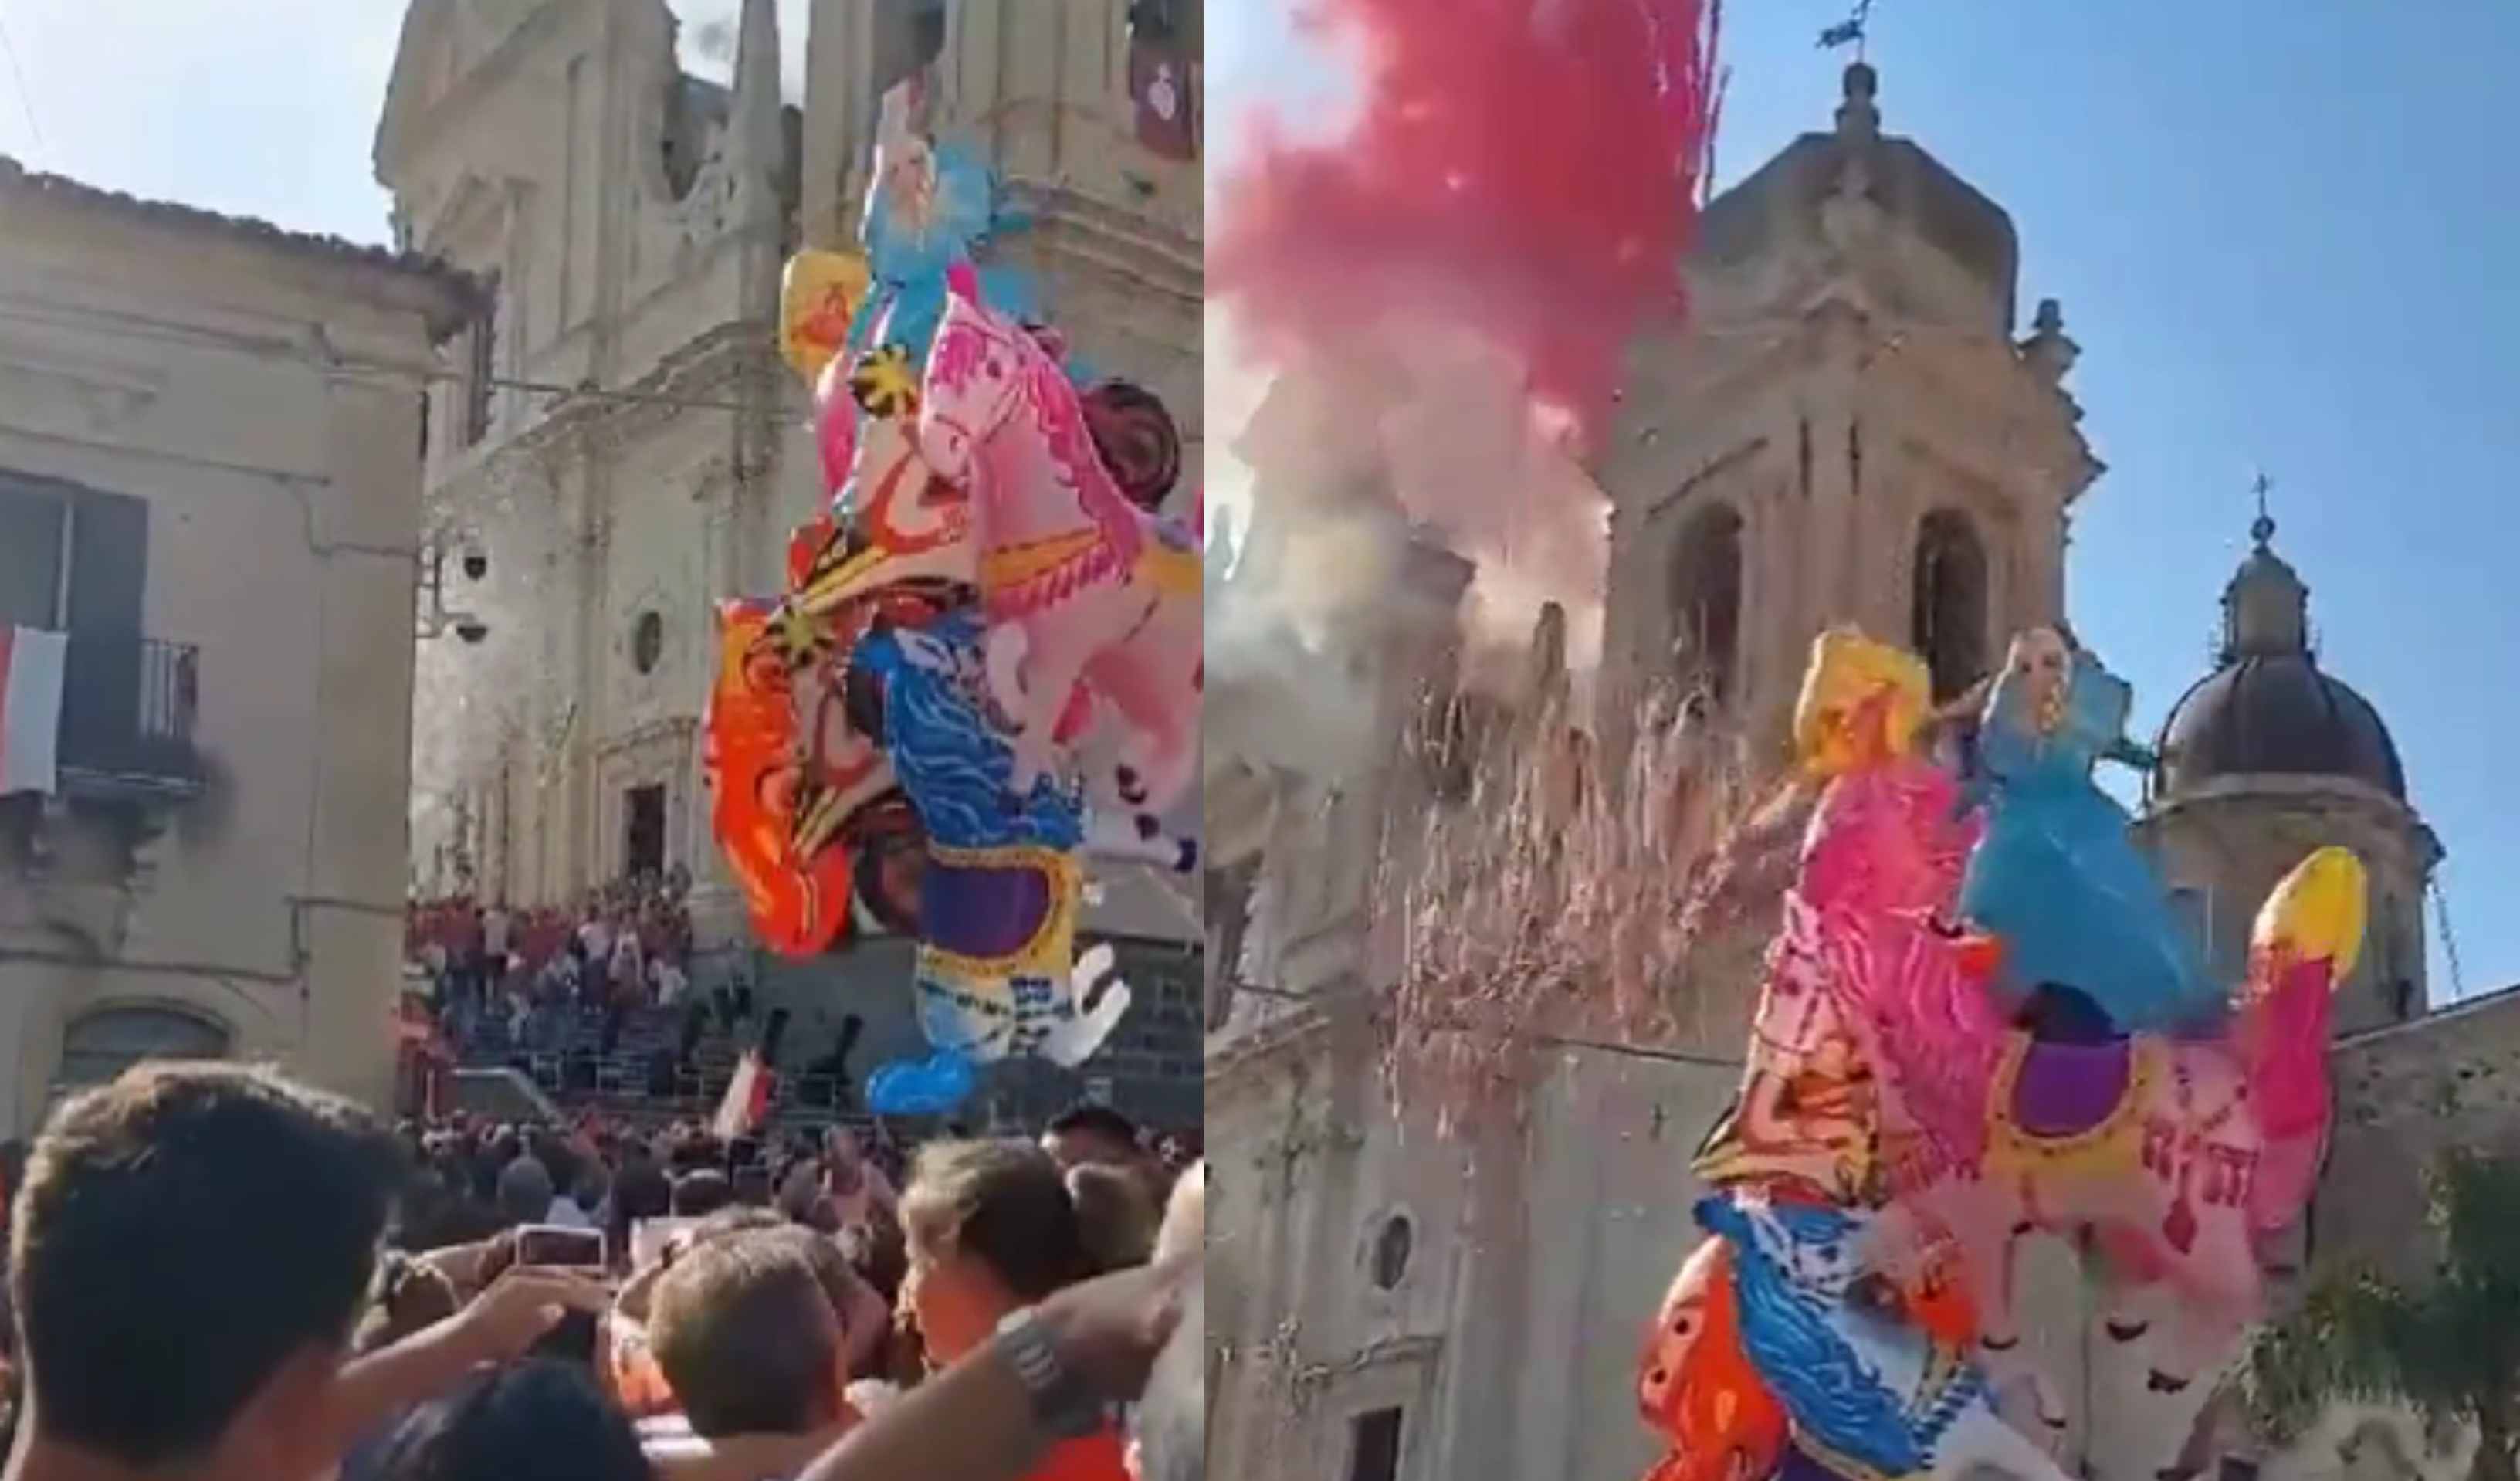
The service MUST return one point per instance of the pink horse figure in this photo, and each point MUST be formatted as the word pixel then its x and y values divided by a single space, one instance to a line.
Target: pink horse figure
pixel 1078 583
pixel 2178 1156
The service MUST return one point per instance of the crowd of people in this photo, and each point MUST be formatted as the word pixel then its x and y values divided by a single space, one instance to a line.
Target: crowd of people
pixel 216 1273
pixel 628 946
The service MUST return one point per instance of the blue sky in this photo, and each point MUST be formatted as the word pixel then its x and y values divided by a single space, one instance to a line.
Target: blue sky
pixel 2284 235
pixel 261 108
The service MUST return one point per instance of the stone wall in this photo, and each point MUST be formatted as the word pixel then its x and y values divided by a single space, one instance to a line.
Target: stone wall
pixel 220 377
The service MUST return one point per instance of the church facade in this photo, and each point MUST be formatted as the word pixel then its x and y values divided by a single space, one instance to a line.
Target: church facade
pixel 1853 428
pixel 618 446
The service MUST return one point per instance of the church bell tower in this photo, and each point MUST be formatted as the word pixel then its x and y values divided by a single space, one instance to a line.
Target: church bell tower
pixel 1846 430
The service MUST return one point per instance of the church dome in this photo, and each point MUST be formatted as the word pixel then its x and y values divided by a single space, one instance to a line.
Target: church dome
pixel 2269 708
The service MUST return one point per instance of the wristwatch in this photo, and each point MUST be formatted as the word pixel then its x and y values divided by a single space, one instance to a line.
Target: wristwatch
pixel 1063 1406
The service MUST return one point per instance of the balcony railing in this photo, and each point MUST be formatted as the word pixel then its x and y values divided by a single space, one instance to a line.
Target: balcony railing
pixel 127 709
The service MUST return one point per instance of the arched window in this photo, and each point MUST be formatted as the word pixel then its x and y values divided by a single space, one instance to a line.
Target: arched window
pixel 102 1045
pixel 1949 621
pixel 1706 590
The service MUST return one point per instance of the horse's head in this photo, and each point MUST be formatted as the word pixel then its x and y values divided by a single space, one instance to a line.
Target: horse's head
pixel 1696 1384
pixel 1816 1250
pixel 975 375
pixel 2313 919
pixel 1861 704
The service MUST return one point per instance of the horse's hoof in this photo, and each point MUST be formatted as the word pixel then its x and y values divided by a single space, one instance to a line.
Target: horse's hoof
pixel 1999 1344
pixel 2126 1331
pixel 1132 787
pixel 1188 862
pixel 1149 824
pixel 2162 1383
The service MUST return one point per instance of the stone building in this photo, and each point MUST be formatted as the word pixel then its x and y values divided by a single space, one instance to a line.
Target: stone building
pixel 209 481
pixel 1851 429
pixel 624 447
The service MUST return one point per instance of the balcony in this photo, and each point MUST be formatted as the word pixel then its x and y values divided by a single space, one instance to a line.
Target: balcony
pixel 127 709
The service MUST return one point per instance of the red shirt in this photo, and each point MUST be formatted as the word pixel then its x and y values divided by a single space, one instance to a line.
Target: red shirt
pixel 1095 1457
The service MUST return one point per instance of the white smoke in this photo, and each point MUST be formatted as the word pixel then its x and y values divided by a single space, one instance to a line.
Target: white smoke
pixel 1328 467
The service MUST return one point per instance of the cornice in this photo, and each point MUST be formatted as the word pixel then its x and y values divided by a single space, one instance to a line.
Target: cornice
pixel 1130 247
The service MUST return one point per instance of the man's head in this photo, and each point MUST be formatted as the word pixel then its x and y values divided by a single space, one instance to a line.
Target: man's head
pixel 697 1194
pixel 525 1191
pixel 1097 1134
pixel 747 1337
pixel 192 1244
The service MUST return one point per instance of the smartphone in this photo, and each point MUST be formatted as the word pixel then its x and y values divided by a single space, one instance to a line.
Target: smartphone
pixel 554 1244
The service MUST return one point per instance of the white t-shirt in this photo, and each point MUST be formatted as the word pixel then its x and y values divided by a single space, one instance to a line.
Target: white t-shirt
pixel 597 937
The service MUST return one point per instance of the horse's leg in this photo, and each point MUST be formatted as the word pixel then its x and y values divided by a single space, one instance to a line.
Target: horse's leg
pixel 1002 655
pixel 1980 1437
pixel 1053 675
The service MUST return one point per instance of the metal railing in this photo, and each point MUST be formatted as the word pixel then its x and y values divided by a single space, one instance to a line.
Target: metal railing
pixel 128 703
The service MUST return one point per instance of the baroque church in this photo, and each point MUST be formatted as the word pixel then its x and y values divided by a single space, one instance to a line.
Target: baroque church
pixel 1854 426
pixel 621 447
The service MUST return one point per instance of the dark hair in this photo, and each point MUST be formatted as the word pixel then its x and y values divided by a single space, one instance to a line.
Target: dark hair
pixel 746 1334
pixel 181 1234
pixel 877 1252
pixel 641 1191
pixel 1094 1119
pixel 700 1193
pixel 1116 1215
pixel 1006 1205
pixel 543 1419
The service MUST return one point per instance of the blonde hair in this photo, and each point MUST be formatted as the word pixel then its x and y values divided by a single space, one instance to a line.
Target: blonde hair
pixel 1848 673
pixel 1005 1203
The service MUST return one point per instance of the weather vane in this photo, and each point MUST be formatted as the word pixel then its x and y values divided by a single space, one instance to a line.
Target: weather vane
pixel 1850 32
pixel 2264 529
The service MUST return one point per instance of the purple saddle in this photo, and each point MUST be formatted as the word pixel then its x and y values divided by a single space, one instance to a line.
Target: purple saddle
pixel 2065 1088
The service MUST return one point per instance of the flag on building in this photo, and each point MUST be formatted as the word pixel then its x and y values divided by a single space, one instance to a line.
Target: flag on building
pixel 32 662
pixel 1160 81
pixel 747 1098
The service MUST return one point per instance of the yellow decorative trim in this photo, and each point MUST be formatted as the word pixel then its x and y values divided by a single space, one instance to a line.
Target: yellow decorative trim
pixel 1174 572
pixel 1051 946
pixel 2115 1138
pixel 1017 564
pixel 1837 1462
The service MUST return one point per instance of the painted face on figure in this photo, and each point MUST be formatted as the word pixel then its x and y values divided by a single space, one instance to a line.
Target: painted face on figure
pixel 1697 1387
pixel 2042 657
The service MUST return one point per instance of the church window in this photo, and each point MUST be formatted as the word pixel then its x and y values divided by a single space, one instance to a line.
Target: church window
pixel 1949 614
pixel 1706 586
pixel 480 370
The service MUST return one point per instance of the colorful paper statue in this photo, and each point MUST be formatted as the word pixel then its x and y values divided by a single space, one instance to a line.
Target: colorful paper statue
pixel 1889 1097
pixel 1867 1391
pixel 2056 880
pixel 1697 1387
pixel 818 298
pixel 1078 582
pixel 858 763
pixel 1004 886
pixel 932 204
pixel 797 897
